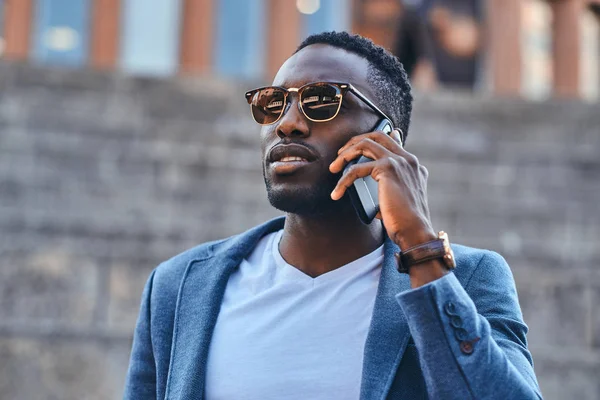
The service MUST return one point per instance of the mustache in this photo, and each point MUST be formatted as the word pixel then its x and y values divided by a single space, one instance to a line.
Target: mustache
pixel 286 141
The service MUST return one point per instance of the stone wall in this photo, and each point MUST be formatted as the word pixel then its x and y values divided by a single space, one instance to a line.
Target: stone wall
pixel 102 176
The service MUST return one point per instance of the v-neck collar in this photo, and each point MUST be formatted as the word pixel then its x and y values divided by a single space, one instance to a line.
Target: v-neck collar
pixel 199 300
pixel 289 271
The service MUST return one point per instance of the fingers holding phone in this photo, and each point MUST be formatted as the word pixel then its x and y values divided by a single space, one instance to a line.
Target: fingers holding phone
pixel 363 191
pixel 385 181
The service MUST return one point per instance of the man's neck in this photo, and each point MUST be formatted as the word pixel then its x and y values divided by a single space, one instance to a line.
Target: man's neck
pixel 321 244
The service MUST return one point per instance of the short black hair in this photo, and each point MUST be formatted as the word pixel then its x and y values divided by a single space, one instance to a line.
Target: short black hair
pixel 386 73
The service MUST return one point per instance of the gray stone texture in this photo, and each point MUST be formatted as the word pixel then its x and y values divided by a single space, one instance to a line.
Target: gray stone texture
pixel 102 176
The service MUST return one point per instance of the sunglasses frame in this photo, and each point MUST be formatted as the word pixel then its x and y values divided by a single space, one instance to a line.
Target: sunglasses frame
pixel 342 87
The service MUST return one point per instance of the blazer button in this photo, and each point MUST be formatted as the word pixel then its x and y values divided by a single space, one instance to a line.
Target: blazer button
pixel 456 321
pixel 460 334
pixel 449 308
pixel 466 347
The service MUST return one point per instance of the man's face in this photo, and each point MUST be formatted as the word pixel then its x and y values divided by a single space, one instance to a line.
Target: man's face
pixel 304 187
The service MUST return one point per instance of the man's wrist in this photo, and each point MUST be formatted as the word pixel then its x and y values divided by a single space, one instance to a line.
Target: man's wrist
pixel 415 238
pixel 425 256
pixel 427 272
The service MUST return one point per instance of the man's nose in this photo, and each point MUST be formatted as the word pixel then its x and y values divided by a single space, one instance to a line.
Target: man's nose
pixel 293 123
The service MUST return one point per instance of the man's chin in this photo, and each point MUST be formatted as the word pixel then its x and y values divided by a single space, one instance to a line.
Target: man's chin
pixel 306 203
pixel 309 199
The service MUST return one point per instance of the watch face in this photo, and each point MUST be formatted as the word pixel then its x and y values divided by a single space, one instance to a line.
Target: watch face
pixel 448 253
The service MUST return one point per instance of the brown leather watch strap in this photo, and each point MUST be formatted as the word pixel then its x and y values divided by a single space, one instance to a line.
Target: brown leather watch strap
pixel 438 248
pixel 422 253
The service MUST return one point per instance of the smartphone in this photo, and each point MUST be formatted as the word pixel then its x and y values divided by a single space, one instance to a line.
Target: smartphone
pixel 363 192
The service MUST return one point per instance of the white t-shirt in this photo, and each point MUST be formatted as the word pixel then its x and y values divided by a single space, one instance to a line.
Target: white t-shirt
pixel 282 334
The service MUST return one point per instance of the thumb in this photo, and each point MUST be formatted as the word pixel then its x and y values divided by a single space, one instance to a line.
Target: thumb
pixel 397 136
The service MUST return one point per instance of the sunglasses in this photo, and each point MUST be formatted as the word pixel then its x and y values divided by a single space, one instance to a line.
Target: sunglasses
pixel 318 101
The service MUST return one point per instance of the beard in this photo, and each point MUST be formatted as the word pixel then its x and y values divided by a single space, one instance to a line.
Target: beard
pixel 313 202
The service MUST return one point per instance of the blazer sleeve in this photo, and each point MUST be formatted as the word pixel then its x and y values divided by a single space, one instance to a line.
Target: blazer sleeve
pixel 472 341
pixel 141 376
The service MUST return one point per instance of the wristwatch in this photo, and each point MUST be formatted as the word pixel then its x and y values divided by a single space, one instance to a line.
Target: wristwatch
pixel 438 248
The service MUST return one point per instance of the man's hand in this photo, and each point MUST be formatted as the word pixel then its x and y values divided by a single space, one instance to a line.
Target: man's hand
pixel 402 185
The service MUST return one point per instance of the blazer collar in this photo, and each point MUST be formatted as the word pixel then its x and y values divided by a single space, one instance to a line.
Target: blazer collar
pixel 389 332
pixel 199 300
pixel 198 303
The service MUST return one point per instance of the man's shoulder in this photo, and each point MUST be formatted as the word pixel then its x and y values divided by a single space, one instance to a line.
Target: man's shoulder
pixel 472 255
pixel 469 259
pixel 175 267
pixel 172 270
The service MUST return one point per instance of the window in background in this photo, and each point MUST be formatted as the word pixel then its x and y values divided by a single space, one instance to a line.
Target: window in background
pixel 61 32
pixel 2 42
pixel 324 15
pixel 536 49
pixel 589 85
pixel 240 38
pixel 150 36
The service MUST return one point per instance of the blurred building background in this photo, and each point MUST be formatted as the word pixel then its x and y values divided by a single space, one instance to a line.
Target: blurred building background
pixel 530 48
pixel 125 139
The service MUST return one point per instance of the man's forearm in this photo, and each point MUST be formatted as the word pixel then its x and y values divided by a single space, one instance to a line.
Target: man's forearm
pixel 454 339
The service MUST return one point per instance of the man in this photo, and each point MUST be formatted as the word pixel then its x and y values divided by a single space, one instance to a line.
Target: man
pixel 313 305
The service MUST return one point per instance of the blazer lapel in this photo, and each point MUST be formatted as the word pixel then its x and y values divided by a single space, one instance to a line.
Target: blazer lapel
pixel 388 334
pixel 199 300
pixel 198 303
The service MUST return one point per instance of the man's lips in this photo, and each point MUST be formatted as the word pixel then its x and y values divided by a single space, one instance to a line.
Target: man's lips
pixel 291 153
pixel 286 159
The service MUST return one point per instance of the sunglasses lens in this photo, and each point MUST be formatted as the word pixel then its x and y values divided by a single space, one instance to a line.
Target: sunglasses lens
pixel 321 102
pixel 267 105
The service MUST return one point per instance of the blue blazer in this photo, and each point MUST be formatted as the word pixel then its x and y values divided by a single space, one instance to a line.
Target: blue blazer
pixel 459 337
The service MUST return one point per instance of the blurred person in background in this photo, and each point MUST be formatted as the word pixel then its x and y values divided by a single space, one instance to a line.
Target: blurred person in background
pixel 318 304
pixel 439 41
